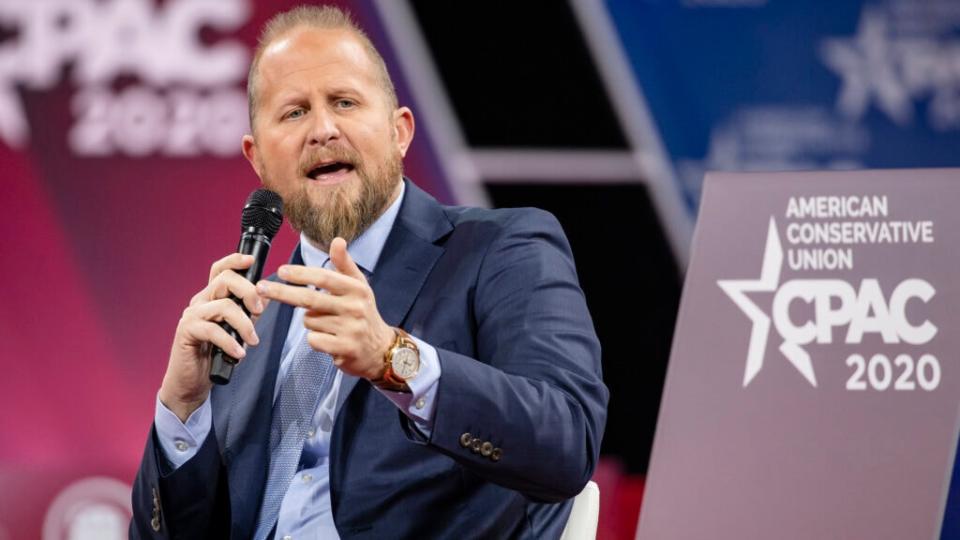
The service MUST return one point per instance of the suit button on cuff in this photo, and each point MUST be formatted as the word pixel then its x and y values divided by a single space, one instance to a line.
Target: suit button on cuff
pixel 486 449
pixel 465 440
pixel 475 445
pixel 496 454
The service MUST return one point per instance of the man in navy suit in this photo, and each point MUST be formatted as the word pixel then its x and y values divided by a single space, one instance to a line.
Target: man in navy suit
pixel 445 354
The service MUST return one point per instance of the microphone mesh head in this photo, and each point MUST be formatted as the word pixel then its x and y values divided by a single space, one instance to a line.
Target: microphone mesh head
pixel 264 210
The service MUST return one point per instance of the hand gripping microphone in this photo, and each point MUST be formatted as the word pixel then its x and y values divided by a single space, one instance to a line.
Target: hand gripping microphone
pixel 262 216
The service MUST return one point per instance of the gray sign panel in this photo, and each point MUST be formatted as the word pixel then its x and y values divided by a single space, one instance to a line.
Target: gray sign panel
pixel 813 384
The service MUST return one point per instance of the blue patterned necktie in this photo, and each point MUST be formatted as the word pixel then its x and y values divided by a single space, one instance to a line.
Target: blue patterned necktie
pixel 310 375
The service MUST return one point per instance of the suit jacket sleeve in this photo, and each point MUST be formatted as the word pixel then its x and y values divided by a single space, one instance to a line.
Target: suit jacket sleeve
pixel 189 502
pixel 535 390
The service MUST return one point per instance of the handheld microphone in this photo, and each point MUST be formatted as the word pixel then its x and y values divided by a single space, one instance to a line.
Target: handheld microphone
pixel 261 219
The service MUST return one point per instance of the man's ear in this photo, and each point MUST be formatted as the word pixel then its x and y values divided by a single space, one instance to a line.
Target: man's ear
pixel 249 147
pixel 403 128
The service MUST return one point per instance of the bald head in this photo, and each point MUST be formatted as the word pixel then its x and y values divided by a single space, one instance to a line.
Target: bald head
pixel 319 18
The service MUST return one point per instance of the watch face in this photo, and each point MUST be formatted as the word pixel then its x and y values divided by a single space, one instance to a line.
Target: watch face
pixel 406 363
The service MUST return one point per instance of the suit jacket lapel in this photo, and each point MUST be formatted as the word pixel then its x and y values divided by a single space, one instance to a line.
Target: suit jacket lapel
pixel 407 258
pixel 256 375
pixel 245 412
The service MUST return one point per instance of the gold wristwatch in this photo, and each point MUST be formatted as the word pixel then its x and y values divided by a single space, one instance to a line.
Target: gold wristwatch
pixel 403 363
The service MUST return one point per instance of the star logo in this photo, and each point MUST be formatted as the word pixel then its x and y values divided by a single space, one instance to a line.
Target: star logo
pixel 769 281
pixel 865 63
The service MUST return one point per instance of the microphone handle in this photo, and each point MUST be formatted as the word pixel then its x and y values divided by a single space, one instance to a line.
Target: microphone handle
pixel 252 242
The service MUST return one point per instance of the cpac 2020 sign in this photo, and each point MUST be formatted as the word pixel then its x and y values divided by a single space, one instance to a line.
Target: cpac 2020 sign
pixel 813 385
pixel 148 80
pixel 836 303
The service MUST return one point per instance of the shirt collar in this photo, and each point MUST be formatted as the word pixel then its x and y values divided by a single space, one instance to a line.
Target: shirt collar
pixel 365 249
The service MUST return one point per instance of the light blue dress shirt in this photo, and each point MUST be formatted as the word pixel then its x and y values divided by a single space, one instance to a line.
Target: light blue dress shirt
pixel 306 512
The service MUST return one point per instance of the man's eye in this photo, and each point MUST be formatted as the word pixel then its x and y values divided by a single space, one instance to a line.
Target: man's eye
pixel 345 104
pixel 296 113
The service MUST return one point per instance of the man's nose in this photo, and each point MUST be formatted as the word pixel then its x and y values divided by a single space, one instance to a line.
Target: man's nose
pixel 324 127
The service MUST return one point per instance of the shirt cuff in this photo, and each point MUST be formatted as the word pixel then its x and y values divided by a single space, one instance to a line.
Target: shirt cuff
pixel 418 405
pixel 180 441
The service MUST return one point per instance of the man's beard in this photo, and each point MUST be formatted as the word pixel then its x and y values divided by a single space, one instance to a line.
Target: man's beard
pixel 338 215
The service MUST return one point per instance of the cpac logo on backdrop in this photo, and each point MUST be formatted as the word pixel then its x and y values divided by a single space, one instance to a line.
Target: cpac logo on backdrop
pixel 900 56
pixel 835 305
pixel 185 100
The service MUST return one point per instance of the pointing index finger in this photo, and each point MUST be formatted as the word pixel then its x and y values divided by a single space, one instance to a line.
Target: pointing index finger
pixel 299 296
pixel 332 282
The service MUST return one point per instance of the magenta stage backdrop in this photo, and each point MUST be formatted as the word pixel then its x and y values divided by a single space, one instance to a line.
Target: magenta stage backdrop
pixel 120 127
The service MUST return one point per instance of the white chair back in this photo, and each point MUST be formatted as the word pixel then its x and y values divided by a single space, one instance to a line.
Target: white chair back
pixel 582 524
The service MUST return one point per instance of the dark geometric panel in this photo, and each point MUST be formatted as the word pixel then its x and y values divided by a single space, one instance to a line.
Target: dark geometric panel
pixel 519 74
pixel 632 285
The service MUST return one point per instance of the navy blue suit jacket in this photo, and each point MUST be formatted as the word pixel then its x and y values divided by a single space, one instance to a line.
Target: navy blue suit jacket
pixel 496 292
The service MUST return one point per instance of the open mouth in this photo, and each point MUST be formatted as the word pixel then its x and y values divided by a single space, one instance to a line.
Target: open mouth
pixel 329 170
